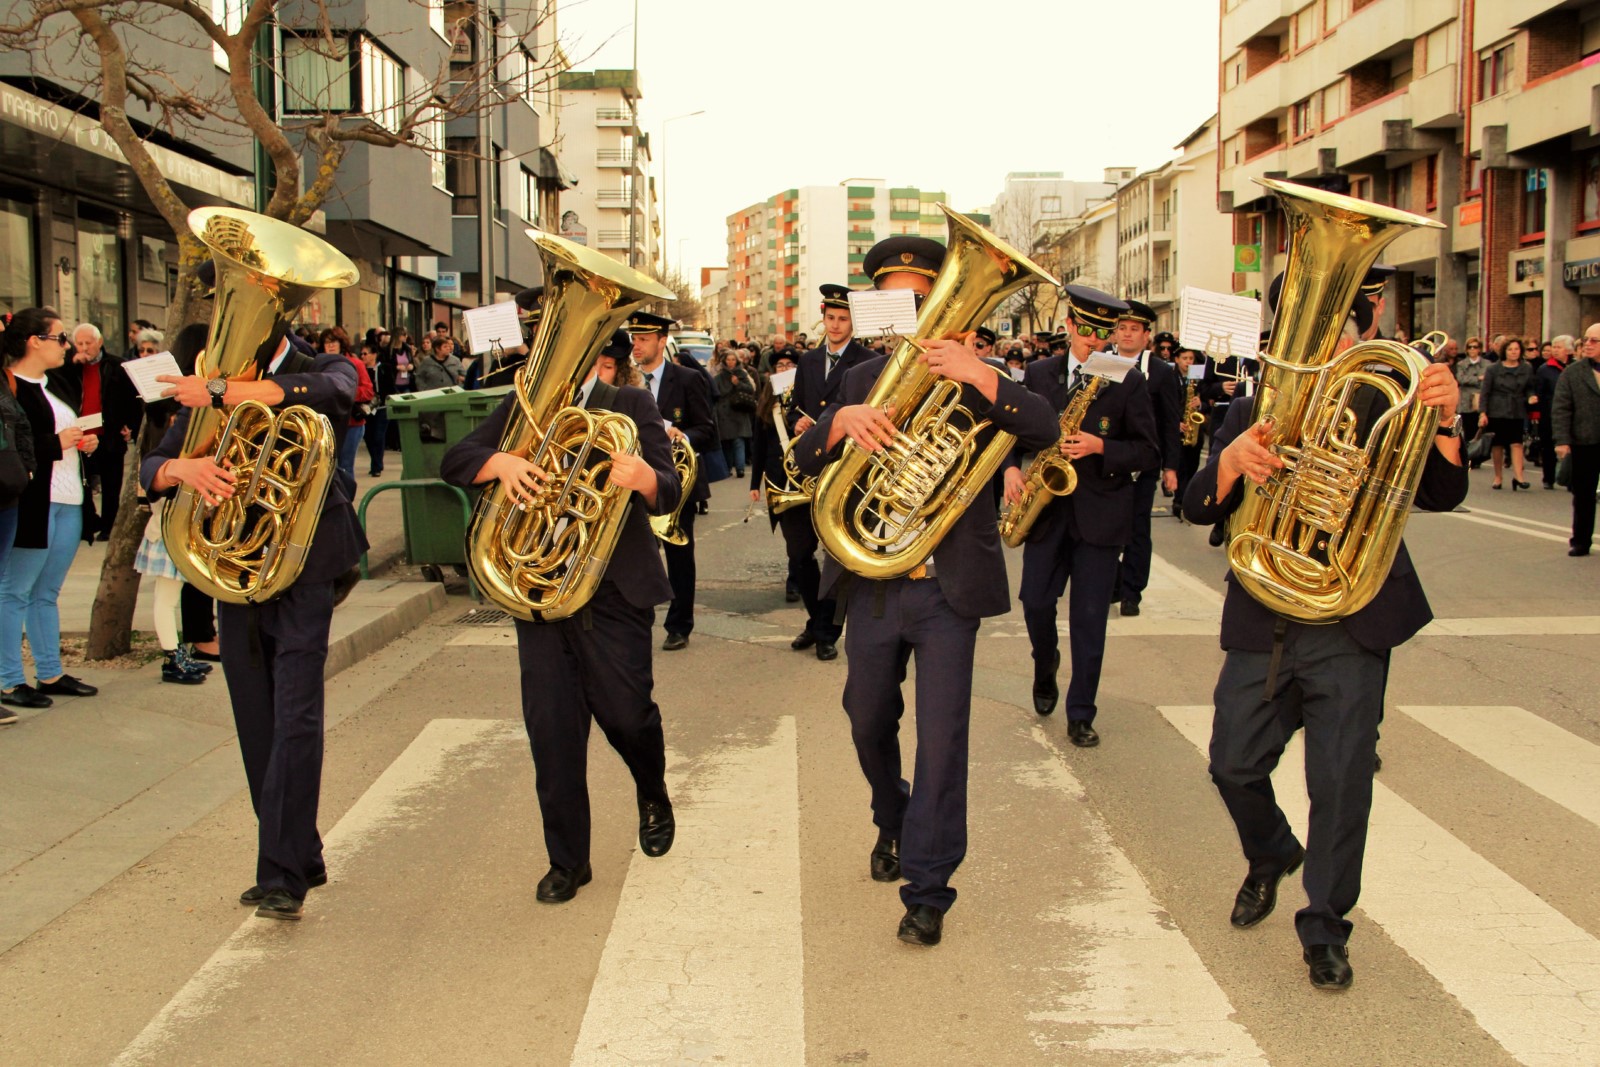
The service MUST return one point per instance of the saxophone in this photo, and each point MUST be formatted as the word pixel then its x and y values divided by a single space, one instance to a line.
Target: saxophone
pixel 1051 474
pixel 1192 419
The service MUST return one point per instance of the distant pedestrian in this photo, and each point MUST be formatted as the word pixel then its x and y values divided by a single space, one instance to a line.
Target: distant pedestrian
pixel 1503 409
pixel 736 402
pixel 1577 433
pixel 1557 352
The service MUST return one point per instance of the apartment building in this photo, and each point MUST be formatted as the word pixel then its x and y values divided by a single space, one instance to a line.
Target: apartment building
pixel 1033 200
pixel 1167 210
pixel 715 300
pixel 1476 113
pixel 782 249
pixel 613 207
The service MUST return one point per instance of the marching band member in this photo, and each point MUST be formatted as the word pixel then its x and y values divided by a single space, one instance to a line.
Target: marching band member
pixel 934 612
pixel 1078 537
pixel 595 664
pixel 1188 455
pixel 273 654
pixel 1279 674
pixel 1132 338
pixel 682 399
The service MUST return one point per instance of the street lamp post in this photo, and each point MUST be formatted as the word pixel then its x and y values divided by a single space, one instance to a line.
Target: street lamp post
pixel 664 124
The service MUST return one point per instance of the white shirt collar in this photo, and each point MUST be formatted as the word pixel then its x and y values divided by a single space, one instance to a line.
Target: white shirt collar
pixel 277 360
pixel 654 385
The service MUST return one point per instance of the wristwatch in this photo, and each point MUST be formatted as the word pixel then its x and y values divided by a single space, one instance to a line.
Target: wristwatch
pixel 1451 428
pixel 218 388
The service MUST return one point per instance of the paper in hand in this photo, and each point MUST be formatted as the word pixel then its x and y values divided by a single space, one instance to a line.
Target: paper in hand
pixel 782 382
pixel 90 422
pixel 1219 324
pixel 874 311
pixel 491 325
pixel 142 372
pixel 1106 365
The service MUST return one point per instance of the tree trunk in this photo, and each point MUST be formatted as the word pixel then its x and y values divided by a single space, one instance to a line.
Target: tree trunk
pixel 111 620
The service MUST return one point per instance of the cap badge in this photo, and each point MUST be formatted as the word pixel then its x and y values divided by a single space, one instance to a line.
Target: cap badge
pixel 906 258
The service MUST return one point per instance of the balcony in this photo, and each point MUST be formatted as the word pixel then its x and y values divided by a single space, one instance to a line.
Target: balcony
pixel 615 198
pixel 613 116
pixel 1360 134
pixel 1435 100
pixel 613 157
pixel 1553 106
pixel 1237 184
pixel 1161 289
pixel 1251 18
pixel 1421 246
pixel 1161 228
pixel 866 213
pixel 612 239
pixel 1254 98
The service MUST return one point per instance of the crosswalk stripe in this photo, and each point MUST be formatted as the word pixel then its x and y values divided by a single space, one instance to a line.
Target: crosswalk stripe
pixel 704 960
pixel 1528 974
pixel 1524 520
pixel 1143 992
pixel 432 758
pixel 1513 527
pixel 1536 752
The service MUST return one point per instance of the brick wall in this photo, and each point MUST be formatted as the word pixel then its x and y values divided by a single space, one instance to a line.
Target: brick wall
pixel 1357 5
pixel 1260 53
pixel 1368 82
pixel 1554 41
pixel 1261 135
pixel 1503 313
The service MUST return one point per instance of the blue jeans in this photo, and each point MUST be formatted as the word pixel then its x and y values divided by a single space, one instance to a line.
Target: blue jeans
pixel 733 452
pixel 349 448
pixel 8 533
pixel 30 583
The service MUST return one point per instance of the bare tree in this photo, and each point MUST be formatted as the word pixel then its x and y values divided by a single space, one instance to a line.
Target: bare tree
pixel 685 307
pixel 103 65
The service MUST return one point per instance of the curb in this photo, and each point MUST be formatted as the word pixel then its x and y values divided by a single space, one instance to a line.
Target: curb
pixel 377 612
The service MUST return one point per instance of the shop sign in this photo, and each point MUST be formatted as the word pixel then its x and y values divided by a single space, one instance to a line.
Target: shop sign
pixel 1581 272
pixel 448 286
pixel 1526 274
pixel 1470 213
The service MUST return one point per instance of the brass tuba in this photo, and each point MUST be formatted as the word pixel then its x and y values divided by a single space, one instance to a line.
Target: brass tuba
pixel 251 547
pixel 666 527
pixel 881 514
pixel 546 559
pixel 1316 541
pixel 1050 474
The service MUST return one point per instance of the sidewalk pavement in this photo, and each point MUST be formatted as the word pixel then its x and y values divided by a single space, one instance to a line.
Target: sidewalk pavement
pixel 92 786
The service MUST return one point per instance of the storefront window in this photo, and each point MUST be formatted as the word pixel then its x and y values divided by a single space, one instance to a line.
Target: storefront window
pixel 1589 194
pixel 100 277
pixel 16 256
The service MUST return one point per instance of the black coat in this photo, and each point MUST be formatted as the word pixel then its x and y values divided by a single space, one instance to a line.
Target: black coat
pixel 1575 405
pixel 684 400
pixel 814 387
pixel 120 406
pixel 1398 611
pixel 635 566
pixel 1166 402
pixel 1100 510
pixel 969 564
pixel 328 388
pixel 33 509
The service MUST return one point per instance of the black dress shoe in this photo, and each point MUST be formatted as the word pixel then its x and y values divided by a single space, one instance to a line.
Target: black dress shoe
pixel 279 904
pixel 1570 552
pixel 1377 763
pixel 886 859
pixel 656 827
pixel 803 640
pixel 1045 690
pixel 1330 966
pixel 675 642
pixel 25 696
pixel 1081 733
pixel 1129 608
pixel 827 650
pixel 67 685
pixel 255 894
pixel 1258 896
pixel 790 596
pixel 922 925
pixel 204 657
pixel 1219 534
pixel 561 884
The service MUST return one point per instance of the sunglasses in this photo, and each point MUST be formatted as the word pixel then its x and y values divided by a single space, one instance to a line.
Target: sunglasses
pixel 981 344
pixel 59 338
pixel 1097 332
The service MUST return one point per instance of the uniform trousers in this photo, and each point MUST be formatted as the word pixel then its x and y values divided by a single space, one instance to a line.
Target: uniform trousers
pixel 681 573
pixel 273 657
pixel 1134 574
pixel 593 666
pixel 1585 479
pixel 888 623
pixel 800 541
pixel 1332 686
pixel 1188 467
pixel 1086 574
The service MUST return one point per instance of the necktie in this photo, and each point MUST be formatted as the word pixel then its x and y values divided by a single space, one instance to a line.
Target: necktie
pixel 649 380
pixel 1077 377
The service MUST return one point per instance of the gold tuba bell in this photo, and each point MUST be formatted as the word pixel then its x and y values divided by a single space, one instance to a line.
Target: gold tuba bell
pixel 881 514
pixel 251 547
pixel 1316 541
pixel 546 559
pixel 687 464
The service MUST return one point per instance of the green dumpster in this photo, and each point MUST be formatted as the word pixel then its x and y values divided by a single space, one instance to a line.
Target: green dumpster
pixel 429 423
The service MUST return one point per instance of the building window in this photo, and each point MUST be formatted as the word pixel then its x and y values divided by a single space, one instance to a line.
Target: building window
pixel 229 14
pixel 1305 28
pixel 1494 71
pixel 1333 103
pixel 461 174
pixel 1334 12
pixel 99 277
pixel 1431 193
pixel 1474 177
pixel 1050 205
pixel 529 188
pixel 436 17
pixel 316 75
pixel 1302 119
pixel 430 135
pixel 495 169
pixel 383 86
pixel 1361 187
pixel 1436 50
pixel 1588 196
pixel 1534 187
pixel 16 256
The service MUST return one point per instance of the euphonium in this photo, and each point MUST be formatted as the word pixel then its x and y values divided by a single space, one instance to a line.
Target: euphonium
pixel 1316 541
pixel 1050 474
pixel 687 465
pixel 251 547
pixel 796 491
pixel 1189 434
pixel 546 559
pixel 880 514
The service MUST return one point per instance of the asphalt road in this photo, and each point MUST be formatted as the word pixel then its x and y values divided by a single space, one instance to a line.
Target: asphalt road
pixel 1092 921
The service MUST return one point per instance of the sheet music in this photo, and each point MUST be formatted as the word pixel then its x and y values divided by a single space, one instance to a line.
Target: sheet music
pixel 1197 370
pixel 1219 324
pixel 781 383
pixel 1107 365
pixel 142 373
pixel 874 311
pixel 491 325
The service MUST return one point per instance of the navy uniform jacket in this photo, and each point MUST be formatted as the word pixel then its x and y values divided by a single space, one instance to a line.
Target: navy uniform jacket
pixel 684 402
pixel 1100 510
pixel 635 565
pixel 969 565
pixel 1398 611
pixel 1166 400
pixel 814 388
pixel 328 388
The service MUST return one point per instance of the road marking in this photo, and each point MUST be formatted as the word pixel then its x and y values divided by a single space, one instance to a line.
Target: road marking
pixel 442 752
pixel 1532 626
pixel 1475 510
pixel 1558 765
pixel 1523 530
pixel 1142 993
pixel 704 960
pixel 1527 973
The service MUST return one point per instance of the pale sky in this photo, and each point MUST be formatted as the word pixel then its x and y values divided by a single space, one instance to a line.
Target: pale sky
pixel 937 95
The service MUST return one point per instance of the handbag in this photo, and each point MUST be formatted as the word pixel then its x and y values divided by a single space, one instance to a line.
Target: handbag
pixel 1564 471
pixel 1478 448
pixel 743 399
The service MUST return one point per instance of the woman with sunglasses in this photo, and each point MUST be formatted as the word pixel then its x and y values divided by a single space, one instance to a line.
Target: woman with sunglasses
pixel 49 516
